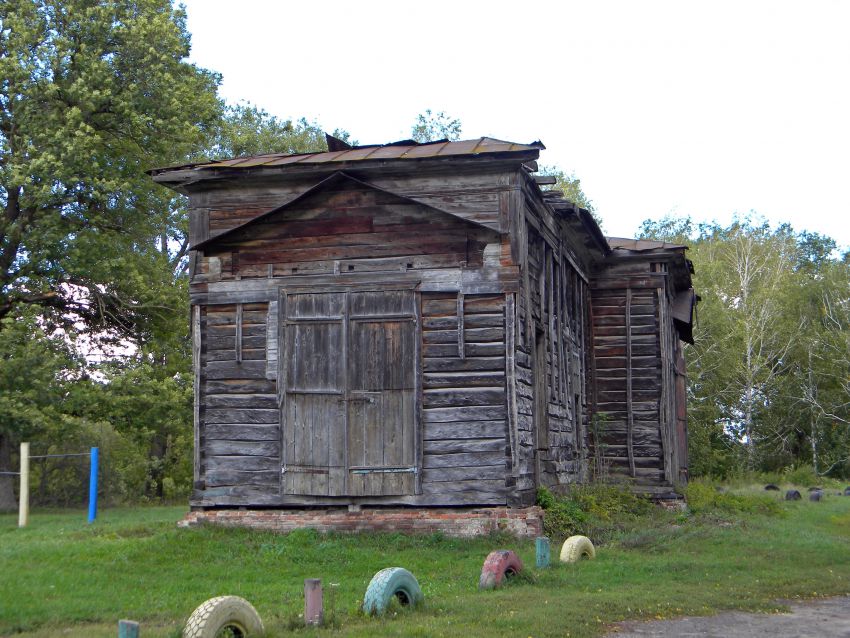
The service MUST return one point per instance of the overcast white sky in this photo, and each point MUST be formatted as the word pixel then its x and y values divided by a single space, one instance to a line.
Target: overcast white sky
pixel 690 108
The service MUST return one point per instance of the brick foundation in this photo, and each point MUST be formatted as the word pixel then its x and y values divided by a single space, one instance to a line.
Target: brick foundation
pixel 459 522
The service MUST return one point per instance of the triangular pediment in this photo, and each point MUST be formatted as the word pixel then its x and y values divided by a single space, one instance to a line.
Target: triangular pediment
pixel 323 201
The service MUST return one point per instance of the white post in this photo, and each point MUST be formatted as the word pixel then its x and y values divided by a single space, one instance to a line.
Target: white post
pixel 24 496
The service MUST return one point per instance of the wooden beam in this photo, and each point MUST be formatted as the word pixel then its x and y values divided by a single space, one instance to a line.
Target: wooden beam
pixel 629 410
pixel 239 333
pixel 461 350
pixel 511 329
pixel 196 402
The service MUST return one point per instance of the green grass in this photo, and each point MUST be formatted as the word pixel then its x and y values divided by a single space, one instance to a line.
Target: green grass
pixel 63 576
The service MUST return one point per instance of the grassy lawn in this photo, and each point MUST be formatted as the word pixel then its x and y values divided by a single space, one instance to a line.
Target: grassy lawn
pixel 63 576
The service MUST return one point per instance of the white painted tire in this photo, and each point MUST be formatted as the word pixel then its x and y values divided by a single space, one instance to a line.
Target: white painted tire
pixel 575 548
pixel 224 612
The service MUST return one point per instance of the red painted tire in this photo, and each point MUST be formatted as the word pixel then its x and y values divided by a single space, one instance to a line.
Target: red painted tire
pixel 498 566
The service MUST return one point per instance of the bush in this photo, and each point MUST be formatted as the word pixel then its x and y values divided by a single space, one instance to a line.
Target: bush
pixel 591 510
pixel 563 517
pixel 803 475
pixel 703 497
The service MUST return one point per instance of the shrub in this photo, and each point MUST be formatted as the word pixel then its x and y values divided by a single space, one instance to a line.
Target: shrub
pixel 703 497
pixel 803 475
pixel 563 517
pixel 591 510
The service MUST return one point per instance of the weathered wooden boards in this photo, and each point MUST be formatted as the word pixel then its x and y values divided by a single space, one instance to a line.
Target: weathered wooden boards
pixel 238 433
pixel 465 440
pixel 628 362
pixel 427 346
pixel 369 399
pixel 550 359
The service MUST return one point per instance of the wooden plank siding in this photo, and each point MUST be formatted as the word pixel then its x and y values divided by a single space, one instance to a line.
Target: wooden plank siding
pixel 553 312
pixel 465 436
pixel 333 239
pixel 421 334
pixel 630 335
pixel 238 414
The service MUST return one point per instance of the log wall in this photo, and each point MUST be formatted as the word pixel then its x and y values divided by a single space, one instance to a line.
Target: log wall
pixel 635 348
pixel 354 236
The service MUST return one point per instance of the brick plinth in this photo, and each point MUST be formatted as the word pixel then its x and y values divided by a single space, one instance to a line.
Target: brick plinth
pixel 462 522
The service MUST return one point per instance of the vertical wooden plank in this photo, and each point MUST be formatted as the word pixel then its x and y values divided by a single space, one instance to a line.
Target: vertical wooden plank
pixel 282 381
pixel 393 426
pixel 408 454
pixel 629 409
pixel 510 379
pixel 416 398
pixel 239 333
pixel 355 448
pixel 272 343
pixel 665 420
pixel 337 443
pixel 526 280
pixel 461 349
pixel 320 426
pixel 562 349
pixel 346 387
pixel 550 302
pixel 374 441
pixel 565 333
pixel 196 401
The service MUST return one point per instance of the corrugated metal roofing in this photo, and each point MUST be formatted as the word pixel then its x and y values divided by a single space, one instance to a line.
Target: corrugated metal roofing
pixel 396 150
pixel 626 243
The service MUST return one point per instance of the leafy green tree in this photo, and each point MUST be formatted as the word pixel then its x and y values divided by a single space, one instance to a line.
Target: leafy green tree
pixel 430 127
pixel 246 129
pixel 768 370
pixel 92 93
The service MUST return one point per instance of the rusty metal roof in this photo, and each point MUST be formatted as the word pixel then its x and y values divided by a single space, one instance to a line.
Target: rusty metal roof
pixel 407 149
pixel 640 245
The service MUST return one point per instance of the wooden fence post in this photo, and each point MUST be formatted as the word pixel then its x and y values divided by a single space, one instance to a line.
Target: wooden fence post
pixel 313 613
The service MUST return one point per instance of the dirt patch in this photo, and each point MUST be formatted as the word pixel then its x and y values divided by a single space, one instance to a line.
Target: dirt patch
pixel 817 619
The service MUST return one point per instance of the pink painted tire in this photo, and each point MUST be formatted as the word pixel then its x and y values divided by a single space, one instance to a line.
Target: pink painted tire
pixel 499 565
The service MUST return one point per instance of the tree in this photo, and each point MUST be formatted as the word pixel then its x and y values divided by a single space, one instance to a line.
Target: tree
pixel 246 129
pixel 431 127
pixel 92 93
pixel 769 367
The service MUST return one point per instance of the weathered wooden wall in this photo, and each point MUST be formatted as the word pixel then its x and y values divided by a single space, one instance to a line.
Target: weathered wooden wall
pixel 348 235
pixel 550 352
pixel 468 191
pixel 635 348
pixel 507 362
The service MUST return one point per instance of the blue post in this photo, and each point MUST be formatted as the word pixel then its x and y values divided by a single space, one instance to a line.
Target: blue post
pixel 542 546
pixel 93 486
pixel 128 629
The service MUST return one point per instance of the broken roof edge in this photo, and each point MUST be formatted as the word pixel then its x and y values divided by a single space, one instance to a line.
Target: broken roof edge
pixel 563 207
pixel 403 150
pixel 642 245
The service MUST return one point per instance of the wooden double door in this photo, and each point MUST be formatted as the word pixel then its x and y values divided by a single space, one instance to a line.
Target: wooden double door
pixel 348 375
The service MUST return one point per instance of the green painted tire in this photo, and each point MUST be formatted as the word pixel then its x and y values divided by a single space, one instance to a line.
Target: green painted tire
pixel 389 583
pixel 575 548
pixel 224 616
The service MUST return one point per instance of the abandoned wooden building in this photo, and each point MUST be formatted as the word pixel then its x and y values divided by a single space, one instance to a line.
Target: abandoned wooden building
pixel 421 325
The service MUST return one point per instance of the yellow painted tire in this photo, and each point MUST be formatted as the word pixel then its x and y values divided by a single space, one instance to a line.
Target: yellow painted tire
pixel 224 613
pixel 575 548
